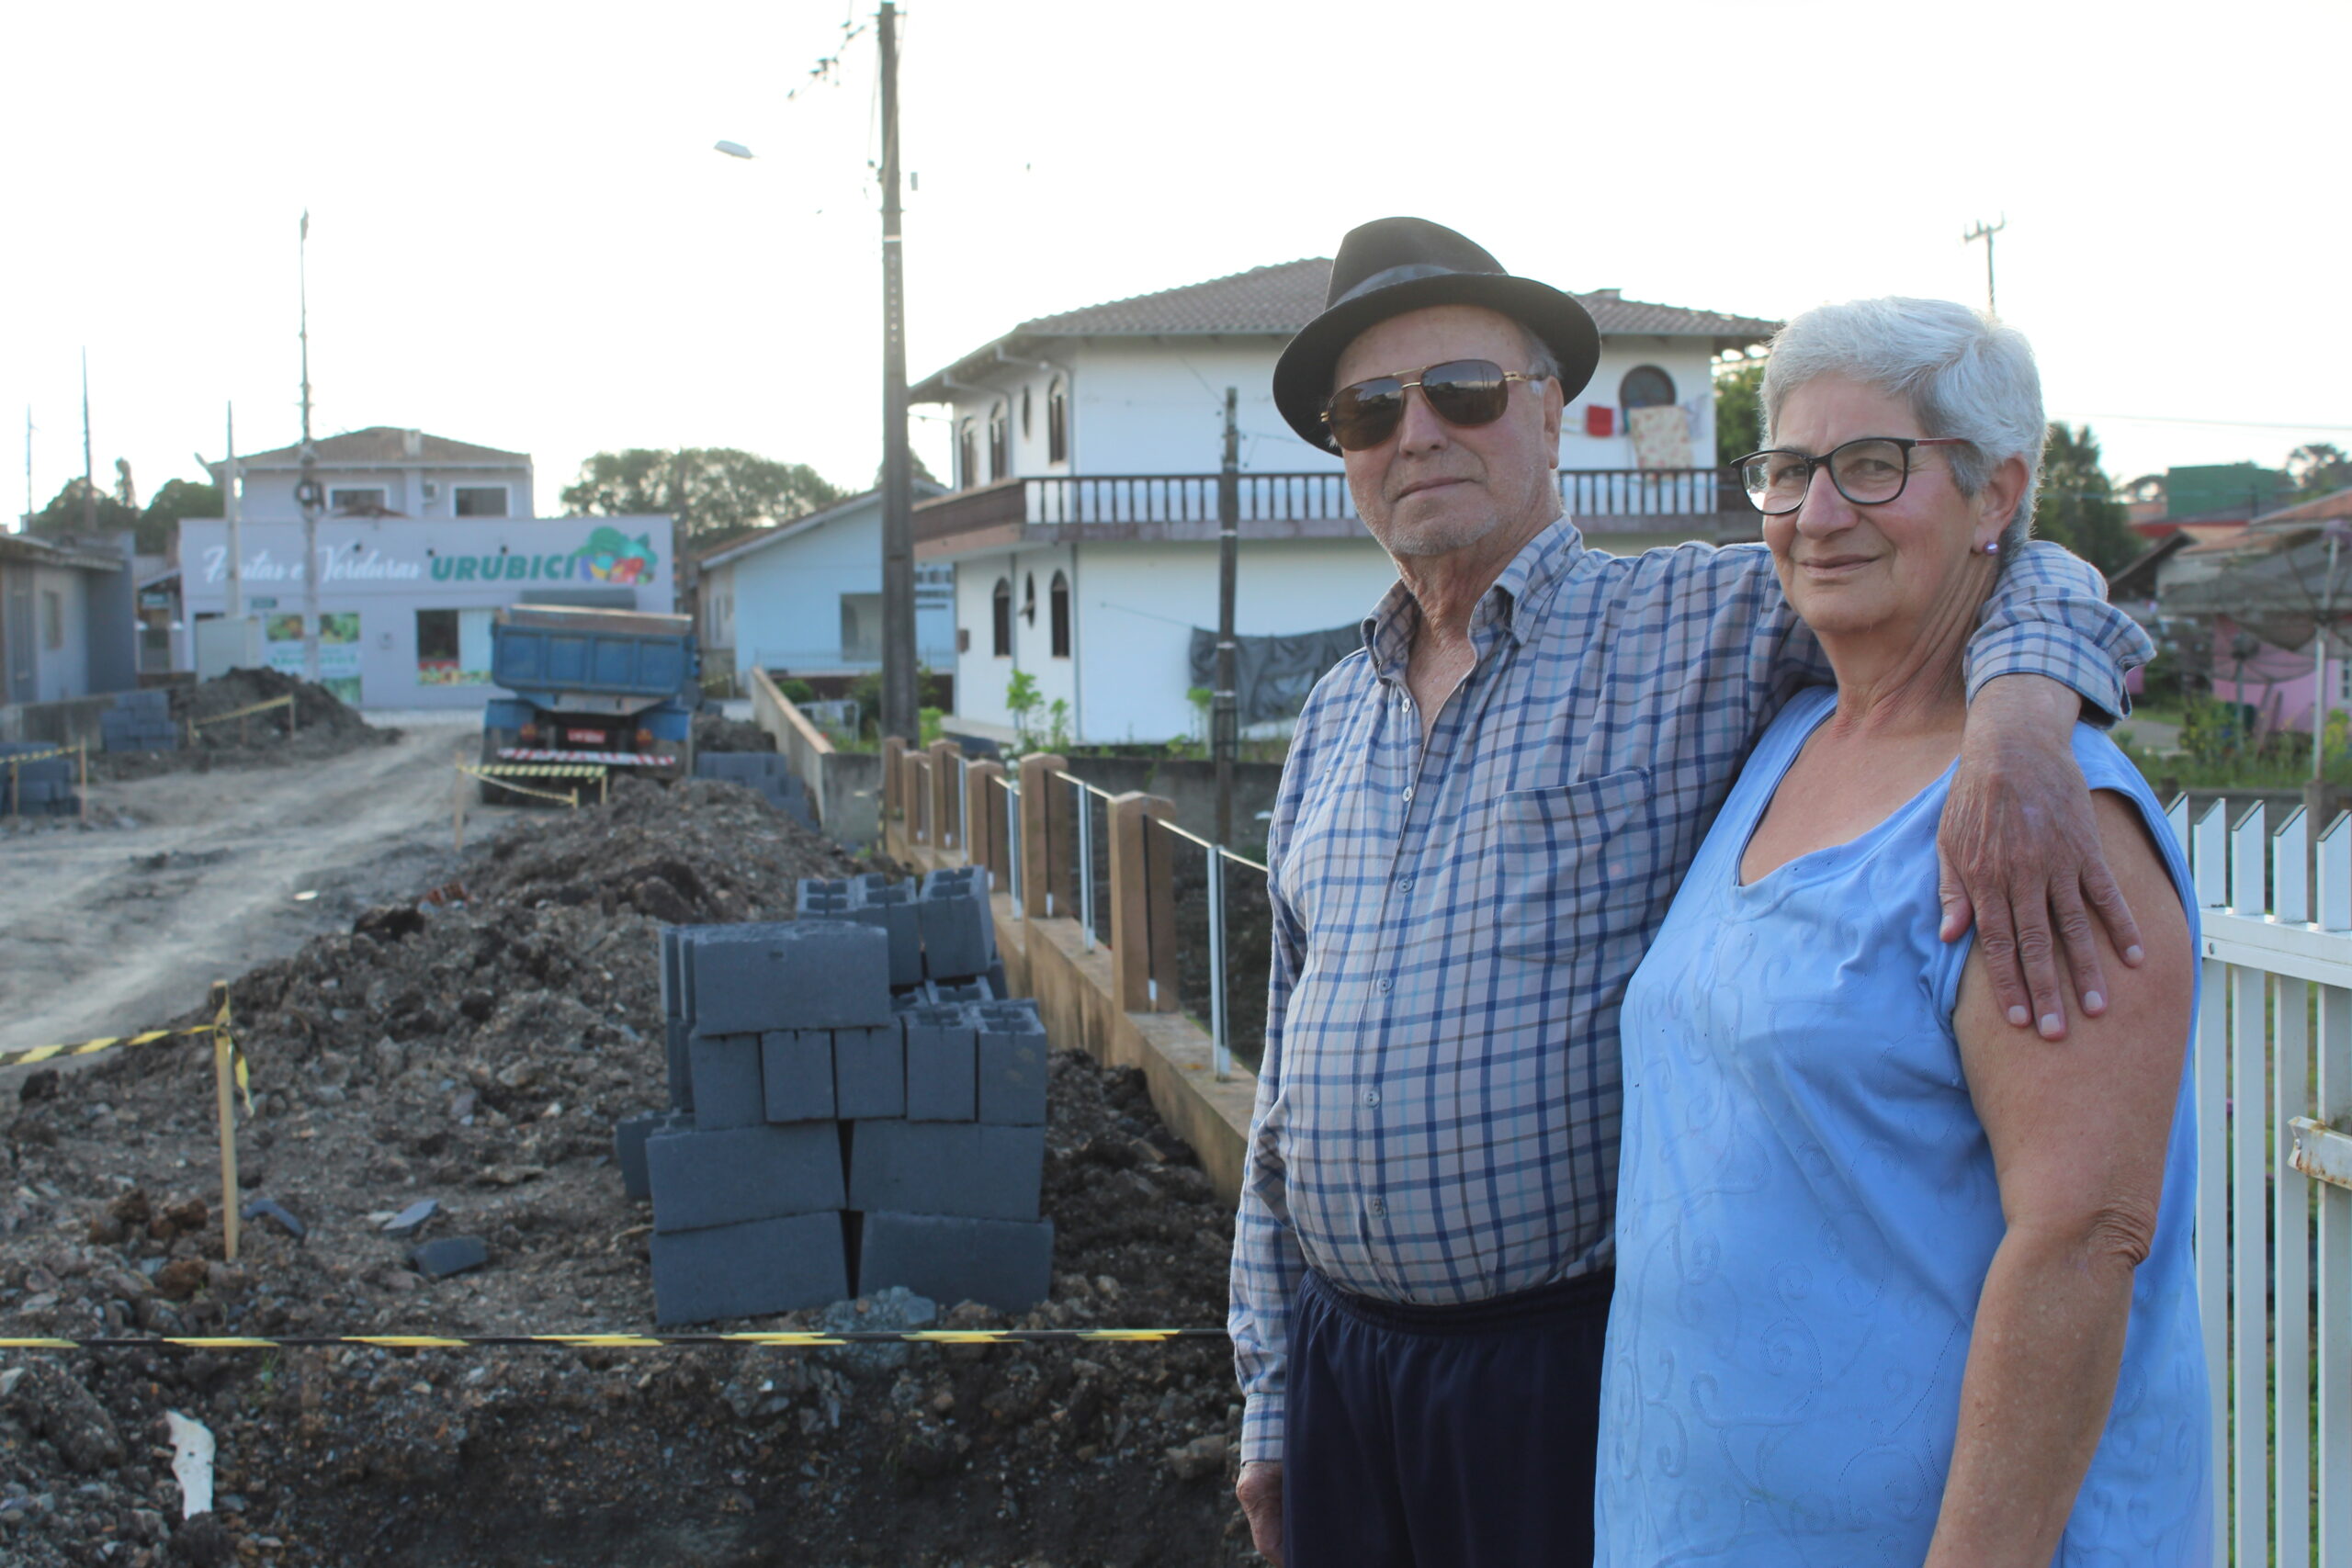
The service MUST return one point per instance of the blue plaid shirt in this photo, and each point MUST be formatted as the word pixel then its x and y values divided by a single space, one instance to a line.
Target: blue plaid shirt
pixel 1438 1110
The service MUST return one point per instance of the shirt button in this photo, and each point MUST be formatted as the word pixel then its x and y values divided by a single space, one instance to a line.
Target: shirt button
pixel 1381 986
pixel 1378 1208
pixel 1408 794
pixel 1372 1097
pixel 1404 885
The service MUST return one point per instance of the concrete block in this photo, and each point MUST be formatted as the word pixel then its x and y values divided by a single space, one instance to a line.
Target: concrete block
pixel 954 993
pixel 941 1065
pixel 448 1255
pixel 964 1169
pixel 1004 1264
pixel 869 1072
pixel 1012 1061
pixel 629 1147
pixel 958 937
pixel 822 900
pixel 748 1269
pixel 701 1180
pixel 906 1001
pixel 680 1064
pixel 728 1091
pixel 817 974
pixel 891 906
pixel 796 1068
pixel 672 981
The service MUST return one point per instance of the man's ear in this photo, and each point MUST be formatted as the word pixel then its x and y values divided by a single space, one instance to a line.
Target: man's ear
pixel 1554 405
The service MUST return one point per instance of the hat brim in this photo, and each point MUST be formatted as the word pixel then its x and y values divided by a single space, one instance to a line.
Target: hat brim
pixel 1303 374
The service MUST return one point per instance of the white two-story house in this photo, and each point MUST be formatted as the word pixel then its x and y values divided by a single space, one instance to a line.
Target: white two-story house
pixel 1082 527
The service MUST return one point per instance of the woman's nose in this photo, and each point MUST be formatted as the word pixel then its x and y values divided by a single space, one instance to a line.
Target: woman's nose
pixel 1824 510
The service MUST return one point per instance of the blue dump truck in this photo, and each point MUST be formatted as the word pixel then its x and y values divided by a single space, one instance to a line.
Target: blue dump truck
pixel 616 689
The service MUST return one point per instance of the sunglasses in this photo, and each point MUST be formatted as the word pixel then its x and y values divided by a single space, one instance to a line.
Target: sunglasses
pixel 1465 392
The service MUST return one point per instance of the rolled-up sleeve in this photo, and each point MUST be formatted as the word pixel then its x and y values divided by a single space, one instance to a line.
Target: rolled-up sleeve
pixel 2049 616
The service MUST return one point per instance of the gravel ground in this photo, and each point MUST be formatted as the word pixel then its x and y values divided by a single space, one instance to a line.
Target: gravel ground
pixel 476 1051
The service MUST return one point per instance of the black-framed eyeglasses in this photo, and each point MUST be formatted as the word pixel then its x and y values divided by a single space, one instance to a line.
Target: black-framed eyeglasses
pixel 1466 392
pixel 1869 471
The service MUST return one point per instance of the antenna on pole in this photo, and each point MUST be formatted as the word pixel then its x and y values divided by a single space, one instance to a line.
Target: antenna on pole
pixel 26 527
pixel 90 479
pixel 1984 232
pixel 306 490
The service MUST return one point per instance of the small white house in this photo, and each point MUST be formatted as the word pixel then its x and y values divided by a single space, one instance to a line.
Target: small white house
pixel 804 597
pixel 1082 530
pixel 386 471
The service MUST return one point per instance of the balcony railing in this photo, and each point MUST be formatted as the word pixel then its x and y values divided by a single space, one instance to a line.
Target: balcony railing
pixel 1181 500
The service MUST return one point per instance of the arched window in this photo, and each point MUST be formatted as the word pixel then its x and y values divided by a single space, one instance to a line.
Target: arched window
pixel 1024 414
pixel 1003 618
pixel 1058 602
pixel 1029 599
pixel 1645 387
pixel 999 454
pixel 967 464
pixel 1058 423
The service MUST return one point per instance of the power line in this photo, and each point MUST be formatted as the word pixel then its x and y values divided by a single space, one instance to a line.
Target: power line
pixel 2229 423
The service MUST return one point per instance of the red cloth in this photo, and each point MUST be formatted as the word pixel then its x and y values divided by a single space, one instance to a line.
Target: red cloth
pixel 1600 419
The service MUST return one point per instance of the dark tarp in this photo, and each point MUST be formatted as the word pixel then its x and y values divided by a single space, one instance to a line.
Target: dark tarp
pixel 1273 674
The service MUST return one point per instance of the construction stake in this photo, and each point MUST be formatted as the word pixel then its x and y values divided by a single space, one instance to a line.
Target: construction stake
pixel 221 1048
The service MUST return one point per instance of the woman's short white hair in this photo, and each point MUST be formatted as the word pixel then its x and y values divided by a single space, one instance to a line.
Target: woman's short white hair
pixel 1963 372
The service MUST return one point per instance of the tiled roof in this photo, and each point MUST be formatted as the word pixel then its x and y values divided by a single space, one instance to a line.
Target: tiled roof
pixel 2337 503
pixel 1275 301
pixel 385 447
pixel 1283 299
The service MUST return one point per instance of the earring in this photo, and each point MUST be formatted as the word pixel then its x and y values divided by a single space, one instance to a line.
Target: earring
pixel 1992 546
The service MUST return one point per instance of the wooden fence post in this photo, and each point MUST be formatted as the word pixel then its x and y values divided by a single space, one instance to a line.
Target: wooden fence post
pixel 893 748
pixel 1037 818
pixel 984 820
pixel 944 796
pixel 1143 905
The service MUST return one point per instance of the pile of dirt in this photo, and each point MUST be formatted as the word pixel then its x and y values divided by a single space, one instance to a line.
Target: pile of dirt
pixel 322 725
pixel 476 1051
pixel 716 732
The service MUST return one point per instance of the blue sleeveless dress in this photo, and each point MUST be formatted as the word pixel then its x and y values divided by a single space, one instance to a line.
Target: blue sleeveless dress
pixel 1806 1208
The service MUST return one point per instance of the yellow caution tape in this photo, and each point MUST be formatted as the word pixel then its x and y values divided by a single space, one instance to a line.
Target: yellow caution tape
pixel 217 1029
pixel 783 1340
pixel 539 769
pixel 286 702
pixel 43 756
pixel 483 773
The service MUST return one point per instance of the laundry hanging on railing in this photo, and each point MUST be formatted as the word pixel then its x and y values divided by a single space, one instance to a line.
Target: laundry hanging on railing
pixel 1273 674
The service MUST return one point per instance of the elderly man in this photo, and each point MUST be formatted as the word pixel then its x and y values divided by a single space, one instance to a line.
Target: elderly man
pixel 1482 819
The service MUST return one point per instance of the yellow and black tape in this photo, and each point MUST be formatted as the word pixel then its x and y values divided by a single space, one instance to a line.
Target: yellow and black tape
pixel 43 756
pixel 774 1340
pixel 217 1029
pixel 538 769
pixel 286 702
pixel 492 771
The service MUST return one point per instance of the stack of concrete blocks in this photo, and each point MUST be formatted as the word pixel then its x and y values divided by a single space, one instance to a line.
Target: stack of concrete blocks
pixel 766 772
pixel 839 1115
pixel 141 721
pixel 44 788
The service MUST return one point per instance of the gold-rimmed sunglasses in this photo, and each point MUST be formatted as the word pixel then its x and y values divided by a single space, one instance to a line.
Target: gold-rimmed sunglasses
pixel 1467 392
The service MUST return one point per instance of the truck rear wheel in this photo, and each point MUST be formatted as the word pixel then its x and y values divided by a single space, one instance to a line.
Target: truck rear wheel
pixel 493 742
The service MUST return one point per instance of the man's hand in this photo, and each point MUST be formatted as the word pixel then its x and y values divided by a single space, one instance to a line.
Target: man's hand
pixel 1261 1490
pixel 2019 852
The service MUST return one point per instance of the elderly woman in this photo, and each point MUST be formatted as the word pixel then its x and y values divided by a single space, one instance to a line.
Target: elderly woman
pixel 1897 1284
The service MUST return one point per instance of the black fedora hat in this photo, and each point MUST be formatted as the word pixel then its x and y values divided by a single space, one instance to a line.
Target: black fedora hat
pixel 1395 265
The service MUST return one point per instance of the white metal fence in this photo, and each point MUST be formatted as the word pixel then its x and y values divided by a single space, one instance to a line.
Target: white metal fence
pixel 2274 1200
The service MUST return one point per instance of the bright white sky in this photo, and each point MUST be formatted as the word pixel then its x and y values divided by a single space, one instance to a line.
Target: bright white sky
pixel 521 236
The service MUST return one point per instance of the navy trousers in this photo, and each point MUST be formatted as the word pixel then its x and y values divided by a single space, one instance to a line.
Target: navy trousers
pixel 1458 1437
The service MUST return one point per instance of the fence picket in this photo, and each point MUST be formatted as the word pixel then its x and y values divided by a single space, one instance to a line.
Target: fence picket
pixel 2247 862
pixel 2290 883
pixel 2249 1282
pixel 2209 858
pixel 2290 1362
pixel 2334 1105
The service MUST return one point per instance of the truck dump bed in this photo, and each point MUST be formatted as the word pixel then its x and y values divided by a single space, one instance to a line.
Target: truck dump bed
pixel 622 653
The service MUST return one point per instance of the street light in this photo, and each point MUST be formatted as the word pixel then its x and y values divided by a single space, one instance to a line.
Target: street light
pixel 733 148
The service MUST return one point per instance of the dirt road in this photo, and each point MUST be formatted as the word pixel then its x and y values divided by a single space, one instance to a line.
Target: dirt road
pixel 116 929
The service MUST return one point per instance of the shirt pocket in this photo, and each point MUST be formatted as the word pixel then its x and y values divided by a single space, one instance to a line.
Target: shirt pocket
pixel 1573 864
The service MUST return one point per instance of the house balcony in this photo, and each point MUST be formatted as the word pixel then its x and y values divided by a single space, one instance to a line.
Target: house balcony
pixel 1667 503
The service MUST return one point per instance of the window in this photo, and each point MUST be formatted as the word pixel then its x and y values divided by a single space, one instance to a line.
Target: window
pixel 52 618
pixel 1000 453
pixel 1024 414
pixel 453 647
pixel 861 628
pixel 481 501
pixel 968 462
pixel 359 501
pixel 1645 387
pixel 1057 608
pixel 1002 605
pixel 1056 422
pixel 1029 599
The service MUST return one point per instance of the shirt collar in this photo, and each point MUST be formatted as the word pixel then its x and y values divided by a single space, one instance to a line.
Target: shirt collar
pixel 1514 602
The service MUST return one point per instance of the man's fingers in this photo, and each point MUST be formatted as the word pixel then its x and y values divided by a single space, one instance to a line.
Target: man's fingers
pixel 2107 903
pixel 2038 955
pixel 1259 1488
pixel 2074 934
pixel 1998 941
pixel 1952 896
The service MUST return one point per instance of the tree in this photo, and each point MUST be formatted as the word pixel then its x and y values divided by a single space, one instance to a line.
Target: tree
pixel 714 492
pixel 1739 408
pixel 2077 507
pixel 2319 468
pixel 64 515
pixel 916 468
pixel 178 498
pixel 153 529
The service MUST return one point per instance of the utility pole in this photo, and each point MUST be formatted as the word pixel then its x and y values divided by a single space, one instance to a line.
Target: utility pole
pixel 1225 715
pixel 900 702
pixel 89 477
pixel 26 527
pixel 1984 232
pixel 232 511
pixel 306 490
